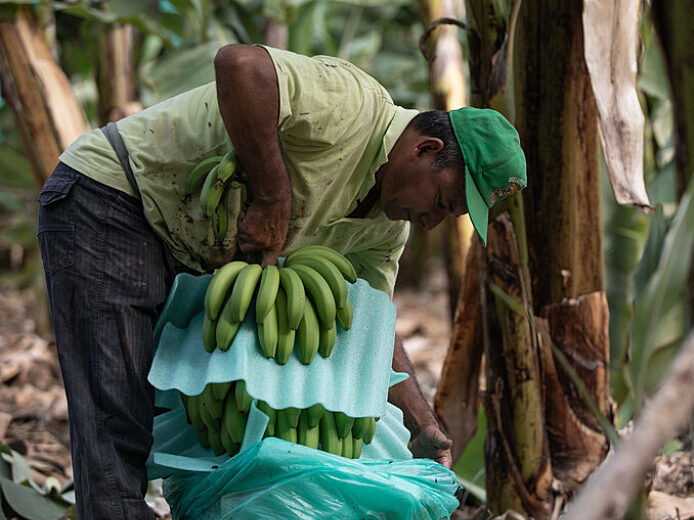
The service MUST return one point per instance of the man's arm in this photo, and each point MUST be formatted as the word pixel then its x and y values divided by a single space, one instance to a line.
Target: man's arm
pixel 248 96
pixel 427 438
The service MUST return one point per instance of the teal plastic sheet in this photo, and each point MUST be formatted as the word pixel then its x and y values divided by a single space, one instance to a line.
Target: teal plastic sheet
pixel 272 478
pixel 354 379
pixel 276 479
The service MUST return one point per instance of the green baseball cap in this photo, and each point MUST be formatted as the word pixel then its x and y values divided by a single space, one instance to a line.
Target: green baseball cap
pixel 494 161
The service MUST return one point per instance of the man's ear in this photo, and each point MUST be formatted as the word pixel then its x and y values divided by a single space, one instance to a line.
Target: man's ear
pixel 428 144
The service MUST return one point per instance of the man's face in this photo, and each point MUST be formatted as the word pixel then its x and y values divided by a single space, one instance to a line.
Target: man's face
pixel 414 192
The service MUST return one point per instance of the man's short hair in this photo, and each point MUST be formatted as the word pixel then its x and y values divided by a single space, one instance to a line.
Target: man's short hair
pixel 436 123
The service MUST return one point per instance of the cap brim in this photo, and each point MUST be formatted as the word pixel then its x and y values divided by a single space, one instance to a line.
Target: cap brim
pixel 476 207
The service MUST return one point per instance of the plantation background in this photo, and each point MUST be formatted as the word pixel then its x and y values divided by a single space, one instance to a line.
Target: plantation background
pixel 113 58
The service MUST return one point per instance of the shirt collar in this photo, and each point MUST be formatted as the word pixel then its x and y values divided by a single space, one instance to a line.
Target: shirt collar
pixel 401 118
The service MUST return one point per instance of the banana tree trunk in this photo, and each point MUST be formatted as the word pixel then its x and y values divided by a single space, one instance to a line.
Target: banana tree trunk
pixel 677 43
pixel 519 470
pixel 115 79
pixel 46 112
pixel 556 118
pixel 276 34
pixel 533 55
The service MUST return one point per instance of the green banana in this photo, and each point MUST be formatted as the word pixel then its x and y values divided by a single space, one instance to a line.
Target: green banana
pixel 283 428
pixel 197 175
pixel 209 333
pixel 193 411
pixel 344 424
pixel 291 415
pixel 357 445
pixel 207 188
pixel 243 398
pixel 215 442
pixel 370 431
pixel 211 403
pixel 326 340
pixel 285 335
pixel 314 414
pixel 345 315
pixel 347 446
pixel 218 188
pixel 184 402
pixel 329 439
pixel 267 292
pixel 320 293
pixel 361 424
pixel 308 436
pixel 233 420
pixel 242 293
pixel 218 288
pixel 268 333
pixel 328 271
pixel 220 217
pixel 219 390
pixel 210 422
pixel 226 332
pixel 340 261
pixel 296 296
pixel 227 167
pixel 308 335
pixel 203 438
pixel 229 445
pixel 272 417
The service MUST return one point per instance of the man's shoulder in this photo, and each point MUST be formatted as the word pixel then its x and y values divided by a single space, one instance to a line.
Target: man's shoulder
pixel 308 67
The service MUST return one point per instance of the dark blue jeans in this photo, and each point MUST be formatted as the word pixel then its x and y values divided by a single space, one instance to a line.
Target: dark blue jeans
pixel 108 276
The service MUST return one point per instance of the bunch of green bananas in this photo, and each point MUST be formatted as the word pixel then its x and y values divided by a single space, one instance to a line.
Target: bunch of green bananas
pixel 318 428
pixel 298 303
pixel 220 412
pixel 215 175
pixel 219 415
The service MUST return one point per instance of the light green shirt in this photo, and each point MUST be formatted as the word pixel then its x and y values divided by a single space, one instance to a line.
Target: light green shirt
pixel 336 126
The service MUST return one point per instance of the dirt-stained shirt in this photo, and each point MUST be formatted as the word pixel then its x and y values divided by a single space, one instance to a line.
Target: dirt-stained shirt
pixel 336 126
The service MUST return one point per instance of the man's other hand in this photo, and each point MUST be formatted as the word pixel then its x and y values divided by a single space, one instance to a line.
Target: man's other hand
pixel 263 227
pixel 432 443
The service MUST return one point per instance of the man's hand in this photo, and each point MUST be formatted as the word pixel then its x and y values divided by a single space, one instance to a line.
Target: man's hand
pixel 432 443
pixel 263 227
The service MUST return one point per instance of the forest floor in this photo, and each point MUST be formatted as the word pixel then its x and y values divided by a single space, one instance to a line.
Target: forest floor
pixel 33 408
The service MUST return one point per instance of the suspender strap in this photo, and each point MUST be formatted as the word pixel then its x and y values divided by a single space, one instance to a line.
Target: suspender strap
pixel 114 137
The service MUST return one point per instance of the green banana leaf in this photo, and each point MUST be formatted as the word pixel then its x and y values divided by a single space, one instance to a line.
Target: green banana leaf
pixel 657 310
pixel 29 504
pixel 182 70
pixel 652 77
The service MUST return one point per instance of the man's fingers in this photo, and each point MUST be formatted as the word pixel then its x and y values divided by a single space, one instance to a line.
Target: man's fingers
pixel 270 257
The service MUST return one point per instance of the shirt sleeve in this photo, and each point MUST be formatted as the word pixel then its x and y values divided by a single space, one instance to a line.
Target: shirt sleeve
pixel 379 265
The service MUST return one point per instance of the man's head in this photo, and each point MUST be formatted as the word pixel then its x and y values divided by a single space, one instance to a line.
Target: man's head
pixel 453 162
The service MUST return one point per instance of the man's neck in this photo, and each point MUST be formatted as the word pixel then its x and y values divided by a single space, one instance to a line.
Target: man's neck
pixel 364 206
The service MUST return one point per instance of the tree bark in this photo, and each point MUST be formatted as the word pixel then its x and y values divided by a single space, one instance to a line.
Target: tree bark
pixel 457 396
pixel 115 79
pixel 579 328
pixel 556 118
pixel 519 471
pixel 46 112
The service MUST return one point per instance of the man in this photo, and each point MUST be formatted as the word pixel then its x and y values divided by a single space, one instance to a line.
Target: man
pixel 329 159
